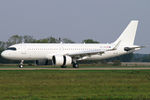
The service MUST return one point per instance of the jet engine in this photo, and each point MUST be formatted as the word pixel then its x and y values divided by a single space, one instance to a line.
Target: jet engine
pixel 61 60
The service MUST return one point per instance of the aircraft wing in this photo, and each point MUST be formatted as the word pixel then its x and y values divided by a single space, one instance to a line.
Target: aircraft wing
pixel 92 52
pixel 87 53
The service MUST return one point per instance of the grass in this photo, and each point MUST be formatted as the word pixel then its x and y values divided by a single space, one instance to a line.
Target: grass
pixel 74 85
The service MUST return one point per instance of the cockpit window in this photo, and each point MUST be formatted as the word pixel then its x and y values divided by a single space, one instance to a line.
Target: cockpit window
pixel 11 48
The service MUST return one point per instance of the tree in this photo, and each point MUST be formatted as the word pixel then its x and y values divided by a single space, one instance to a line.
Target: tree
pixel 146 58
pixel 47 40
pixel 66 40
pixel 2 44
pixel 53 40
pixel 28 39
pixel 123 58
pixel 89 41
pixel 15 39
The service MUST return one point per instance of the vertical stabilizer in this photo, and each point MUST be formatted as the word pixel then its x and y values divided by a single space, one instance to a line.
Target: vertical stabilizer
pixel 128 35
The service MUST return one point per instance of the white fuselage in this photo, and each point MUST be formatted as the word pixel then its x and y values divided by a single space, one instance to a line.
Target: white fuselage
pixel 37 51
pixel 65 54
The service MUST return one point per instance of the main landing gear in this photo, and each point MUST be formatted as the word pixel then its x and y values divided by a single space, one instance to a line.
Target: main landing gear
pixel 75 64
pixel 21 64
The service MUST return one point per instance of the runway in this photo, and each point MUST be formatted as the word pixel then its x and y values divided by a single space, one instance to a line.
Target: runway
pixel 74 68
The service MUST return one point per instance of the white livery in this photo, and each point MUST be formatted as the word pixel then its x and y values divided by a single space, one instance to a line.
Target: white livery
pixel 63 54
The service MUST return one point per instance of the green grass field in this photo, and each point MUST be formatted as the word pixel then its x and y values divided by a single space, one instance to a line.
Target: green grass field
pixel 74 85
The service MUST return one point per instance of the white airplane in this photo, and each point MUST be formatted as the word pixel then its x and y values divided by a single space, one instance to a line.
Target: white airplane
pixel 63 54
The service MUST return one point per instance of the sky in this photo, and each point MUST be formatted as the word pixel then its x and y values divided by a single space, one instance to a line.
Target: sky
pixel 101 20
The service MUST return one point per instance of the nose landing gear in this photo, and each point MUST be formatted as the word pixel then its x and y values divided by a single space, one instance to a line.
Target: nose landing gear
pixel 21 64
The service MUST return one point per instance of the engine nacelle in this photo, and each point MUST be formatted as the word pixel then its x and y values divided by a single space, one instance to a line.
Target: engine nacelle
pixel 60 60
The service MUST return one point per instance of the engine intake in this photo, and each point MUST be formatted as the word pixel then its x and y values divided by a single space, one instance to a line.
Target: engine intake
pixel 60 60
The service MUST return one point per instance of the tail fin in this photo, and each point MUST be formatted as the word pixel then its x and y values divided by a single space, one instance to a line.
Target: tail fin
pixel 128 35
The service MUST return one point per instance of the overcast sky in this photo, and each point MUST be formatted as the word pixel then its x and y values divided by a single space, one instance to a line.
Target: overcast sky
pixel 101 20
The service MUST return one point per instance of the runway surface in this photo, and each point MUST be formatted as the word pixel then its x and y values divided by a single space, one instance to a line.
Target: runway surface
pixel 74 68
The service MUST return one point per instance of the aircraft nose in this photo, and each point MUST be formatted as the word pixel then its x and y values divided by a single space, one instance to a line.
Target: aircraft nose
pixel 4 54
